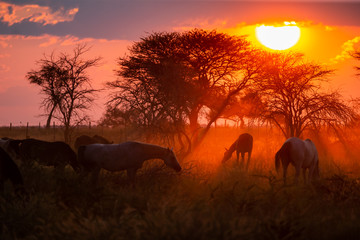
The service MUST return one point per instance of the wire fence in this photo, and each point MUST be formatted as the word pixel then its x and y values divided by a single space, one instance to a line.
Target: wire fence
pixel 56 132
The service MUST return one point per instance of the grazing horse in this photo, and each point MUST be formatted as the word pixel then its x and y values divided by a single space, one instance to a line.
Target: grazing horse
pixel 57 154
pixel 10 171
pixel 128 156
pixel 86 140
pixel 243 144
pixel 301 154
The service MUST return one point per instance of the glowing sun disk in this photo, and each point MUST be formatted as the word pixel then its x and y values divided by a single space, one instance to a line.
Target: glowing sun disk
pixel 278 38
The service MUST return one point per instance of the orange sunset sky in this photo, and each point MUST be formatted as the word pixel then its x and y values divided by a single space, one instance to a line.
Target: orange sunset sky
pixel 31 28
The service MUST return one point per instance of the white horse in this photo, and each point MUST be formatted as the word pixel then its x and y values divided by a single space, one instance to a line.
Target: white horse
pixel 301 154
pixel 128 156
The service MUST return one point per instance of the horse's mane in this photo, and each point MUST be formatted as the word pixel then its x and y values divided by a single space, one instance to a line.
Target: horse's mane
pixel 232 148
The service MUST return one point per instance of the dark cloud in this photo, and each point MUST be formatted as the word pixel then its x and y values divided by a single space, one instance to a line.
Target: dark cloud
pixel 54 4
pixel 130 20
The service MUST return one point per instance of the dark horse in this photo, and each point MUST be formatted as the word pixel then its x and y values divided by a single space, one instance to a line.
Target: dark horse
pixel 86 140
pixel 10 171
pixel 301 154
pixel 128 156
pixel 57 154
pixel 244 144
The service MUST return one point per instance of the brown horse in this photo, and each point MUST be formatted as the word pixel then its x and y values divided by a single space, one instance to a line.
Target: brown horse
pixel 244 144
pixel 10 171
pixel 57 154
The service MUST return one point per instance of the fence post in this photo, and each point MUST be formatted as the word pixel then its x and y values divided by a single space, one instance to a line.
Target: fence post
pixel 54 130
pixel 27 130
pixel 10 126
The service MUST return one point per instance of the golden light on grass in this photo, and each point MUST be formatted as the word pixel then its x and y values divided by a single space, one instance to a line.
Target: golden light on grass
pixel 278 37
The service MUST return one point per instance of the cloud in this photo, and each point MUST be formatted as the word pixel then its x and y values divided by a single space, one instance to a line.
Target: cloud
pixel 4 44
pixel 51 40
pixel 347 47
pixel 11 14
pixel 4 68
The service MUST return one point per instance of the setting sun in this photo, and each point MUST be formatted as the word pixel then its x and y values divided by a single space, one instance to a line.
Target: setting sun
pixel 279 37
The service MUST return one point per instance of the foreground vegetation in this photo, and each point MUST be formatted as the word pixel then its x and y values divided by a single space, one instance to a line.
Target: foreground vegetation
pixel 205 201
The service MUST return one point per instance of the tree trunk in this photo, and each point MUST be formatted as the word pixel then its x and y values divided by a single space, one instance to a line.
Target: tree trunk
pixel 218 113
pixel 193 118
pixel 48 121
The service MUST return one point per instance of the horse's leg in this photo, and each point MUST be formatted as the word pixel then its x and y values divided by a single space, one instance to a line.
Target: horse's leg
pixel 304 175
pixel 237 157
pixel 297 173
pixel 59 169
pixel 248 162
pixel 285 166
pixel 243 159
pixel 95 175
pixel 131 172
pixel 311 172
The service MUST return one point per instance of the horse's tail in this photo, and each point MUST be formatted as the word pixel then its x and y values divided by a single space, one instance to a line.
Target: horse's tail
pixel 317 170
pixel 282 153
pixel 277 161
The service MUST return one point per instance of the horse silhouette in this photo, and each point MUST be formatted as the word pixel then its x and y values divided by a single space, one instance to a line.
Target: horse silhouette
pixel 128 156
pixel 57 154
pixel 302 154
pixel 244 144
pixel 10 171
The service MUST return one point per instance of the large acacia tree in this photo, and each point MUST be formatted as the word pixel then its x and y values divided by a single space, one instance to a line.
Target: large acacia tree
pixel 294 101
pixel 167 78
pixel 66 87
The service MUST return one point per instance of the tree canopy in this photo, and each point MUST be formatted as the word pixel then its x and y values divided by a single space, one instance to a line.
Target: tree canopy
pixel 167 78
pixel 291 91
pixel 66 86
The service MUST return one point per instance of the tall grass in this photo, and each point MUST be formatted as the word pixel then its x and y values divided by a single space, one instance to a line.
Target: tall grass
pixel 206 200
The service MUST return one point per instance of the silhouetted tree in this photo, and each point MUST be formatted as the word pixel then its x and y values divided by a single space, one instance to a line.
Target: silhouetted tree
pixel 356 54
pixel 223 66
pixel 170 77
pixel 291 90
pixel 66 86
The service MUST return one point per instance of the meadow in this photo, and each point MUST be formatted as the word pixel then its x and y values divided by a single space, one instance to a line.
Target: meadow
pixel 207 200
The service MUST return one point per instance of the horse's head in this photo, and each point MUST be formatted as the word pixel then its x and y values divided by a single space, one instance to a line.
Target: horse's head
pixel 227 155
pixel 171 161
pixel 14 146
pixel 73 161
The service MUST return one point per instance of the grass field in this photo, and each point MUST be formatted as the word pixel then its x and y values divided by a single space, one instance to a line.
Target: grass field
pixel 206 200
